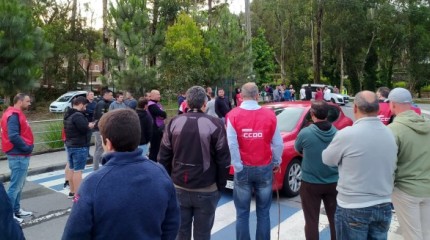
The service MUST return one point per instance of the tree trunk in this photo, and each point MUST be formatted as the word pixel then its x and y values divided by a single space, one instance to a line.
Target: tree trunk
pixel 248 30
pixel 314 64
pixel 71 61
pixel 317 73
pixel 281 61
pixel 155 13
pixel 342 74
pixel 105 38
pixel 209 13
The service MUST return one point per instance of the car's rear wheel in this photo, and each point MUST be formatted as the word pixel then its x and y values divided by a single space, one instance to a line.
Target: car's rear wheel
pixel 333 101
pixel 292 178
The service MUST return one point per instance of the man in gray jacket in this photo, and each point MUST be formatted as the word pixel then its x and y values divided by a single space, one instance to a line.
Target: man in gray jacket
pixel 366 155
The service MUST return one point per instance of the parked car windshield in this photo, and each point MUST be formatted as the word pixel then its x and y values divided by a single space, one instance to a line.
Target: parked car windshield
pixel 65 98
pixel 288 118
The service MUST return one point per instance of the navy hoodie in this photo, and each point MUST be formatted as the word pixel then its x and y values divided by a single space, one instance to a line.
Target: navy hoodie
pixel 130 197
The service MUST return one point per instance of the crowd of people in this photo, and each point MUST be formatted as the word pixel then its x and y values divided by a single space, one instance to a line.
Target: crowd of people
pixel 171 174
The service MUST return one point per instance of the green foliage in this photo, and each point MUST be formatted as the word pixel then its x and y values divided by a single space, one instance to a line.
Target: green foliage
pixel 401 84
pixel 52 135
pixel 230 58
pixel 183 55
pixel 426 88
pixel 22 48
pixel 137 42
pixel 264 64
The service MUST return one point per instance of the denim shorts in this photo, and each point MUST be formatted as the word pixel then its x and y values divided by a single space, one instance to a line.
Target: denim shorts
pixel 77 158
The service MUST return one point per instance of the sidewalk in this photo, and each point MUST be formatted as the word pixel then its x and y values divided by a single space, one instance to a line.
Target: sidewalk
pixel 41 163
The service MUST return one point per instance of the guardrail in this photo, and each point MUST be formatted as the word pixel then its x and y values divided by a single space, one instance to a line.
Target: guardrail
pixel 47 134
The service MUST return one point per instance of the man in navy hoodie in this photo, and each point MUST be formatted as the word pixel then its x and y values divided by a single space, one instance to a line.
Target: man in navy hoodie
pixel 130 197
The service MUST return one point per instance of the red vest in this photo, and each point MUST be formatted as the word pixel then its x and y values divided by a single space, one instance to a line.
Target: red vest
pixel 255 130
pixel 384 112
pixel 25 129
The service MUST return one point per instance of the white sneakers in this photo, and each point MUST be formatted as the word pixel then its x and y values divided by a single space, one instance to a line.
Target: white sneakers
pixel 21 213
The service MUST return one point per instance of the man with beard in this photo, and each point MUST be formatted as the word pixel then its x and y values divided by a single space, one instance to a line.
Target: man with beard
pixel 17 143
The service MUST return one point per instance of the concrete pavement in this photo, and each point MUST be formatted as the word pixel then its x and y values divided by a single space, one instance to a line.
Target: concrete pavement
pixel 40 163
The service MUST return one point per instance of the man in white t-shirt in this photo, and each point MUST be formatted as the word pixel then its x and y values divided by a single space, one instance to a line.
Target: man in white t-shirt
pixel 327 93
pixel 302 93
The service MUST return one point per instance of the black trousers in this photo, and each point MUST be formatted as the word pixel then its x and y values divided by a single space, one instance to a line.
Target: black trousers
pixel 157 135
pixel 311 195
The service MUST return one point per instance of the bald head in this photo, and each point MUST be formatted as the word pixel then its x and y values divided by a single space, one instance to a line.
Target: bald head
pixel 155 95
pixel 249 91
pixel 367 103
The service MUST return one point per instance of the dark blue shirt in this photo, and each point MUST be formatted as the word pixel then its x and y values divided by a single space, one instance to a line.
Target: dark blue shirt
pixel 89 110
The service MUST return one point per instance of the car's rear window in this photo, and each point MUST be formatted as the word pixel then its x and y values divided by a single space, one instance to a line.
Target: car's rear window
pixel 288 117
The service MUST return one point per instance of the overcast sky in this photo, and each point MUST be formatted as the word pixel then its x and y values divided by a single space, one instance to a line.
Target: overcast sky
pixel 236 6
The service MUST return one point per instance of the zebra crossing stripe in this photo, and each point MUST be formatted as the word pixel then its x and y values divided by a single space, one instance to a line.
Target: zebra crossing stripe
pixel 291 218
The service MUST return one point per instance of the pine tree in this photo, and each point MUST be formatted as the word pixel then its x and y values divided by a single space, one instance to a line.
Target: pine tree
pixel 22 48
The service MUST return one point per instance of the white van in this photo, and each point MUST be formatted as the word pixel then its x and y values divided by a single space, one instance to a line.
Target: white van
pixel 337 98
pixel 65 101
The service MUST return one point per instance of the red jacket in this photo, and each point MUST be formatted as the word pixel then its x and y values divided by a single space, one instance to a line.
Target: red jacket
pixel 255 129
pixel 25 129
pixel 319 96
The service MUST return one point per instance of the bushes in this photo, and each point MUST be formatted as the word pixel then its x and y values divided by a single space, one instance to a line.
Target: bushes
pixel 401 84
pixel 51 135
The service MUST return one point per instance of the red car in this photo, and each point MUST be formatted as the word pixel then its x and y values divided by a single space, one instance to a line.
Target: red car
pixel 292 117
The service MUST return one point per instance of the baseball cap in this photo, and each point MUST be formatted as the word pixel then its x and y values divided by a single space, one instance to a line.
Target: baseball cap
pixel 400 95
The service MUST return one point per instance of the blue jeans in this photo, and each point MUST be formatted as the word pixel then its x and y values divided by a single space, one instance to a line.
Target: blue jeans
pixel 197 209
pixel 18 166
pixel 77 158
pixel 144 149
pixel 260 179
pixel 363 223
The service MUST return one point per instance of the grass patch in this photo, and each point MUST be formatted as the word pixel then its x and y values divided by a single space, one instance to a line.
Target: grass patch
pixel 51 136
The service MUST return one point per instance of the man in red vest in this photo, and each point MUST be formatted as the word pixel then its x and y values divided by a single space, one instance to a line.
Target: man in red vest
pixel 17 143
pixel 256 148
pixel 385 113
pixel 384 105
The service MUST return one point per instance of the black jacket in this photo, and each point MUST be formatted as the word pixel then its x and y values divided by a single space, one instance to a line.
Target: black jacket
pixel 222 106
pixel 101 107
pixel 194 151
pixel 308 93
pixel 146 126
pixel 76 128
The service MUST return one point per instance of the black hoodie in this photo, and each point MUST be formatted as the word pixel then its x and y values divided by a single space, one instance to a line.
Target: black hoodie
pixel 76 128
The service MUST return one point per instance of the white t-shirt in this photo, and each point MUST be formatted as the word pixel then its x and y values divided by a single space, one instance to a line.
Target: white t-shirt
pixel 302 94
pixel 327 94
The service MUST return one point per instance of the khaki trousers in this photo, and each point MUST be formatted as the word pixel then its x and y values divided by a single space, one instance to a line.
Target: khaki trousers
pixel 413 214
